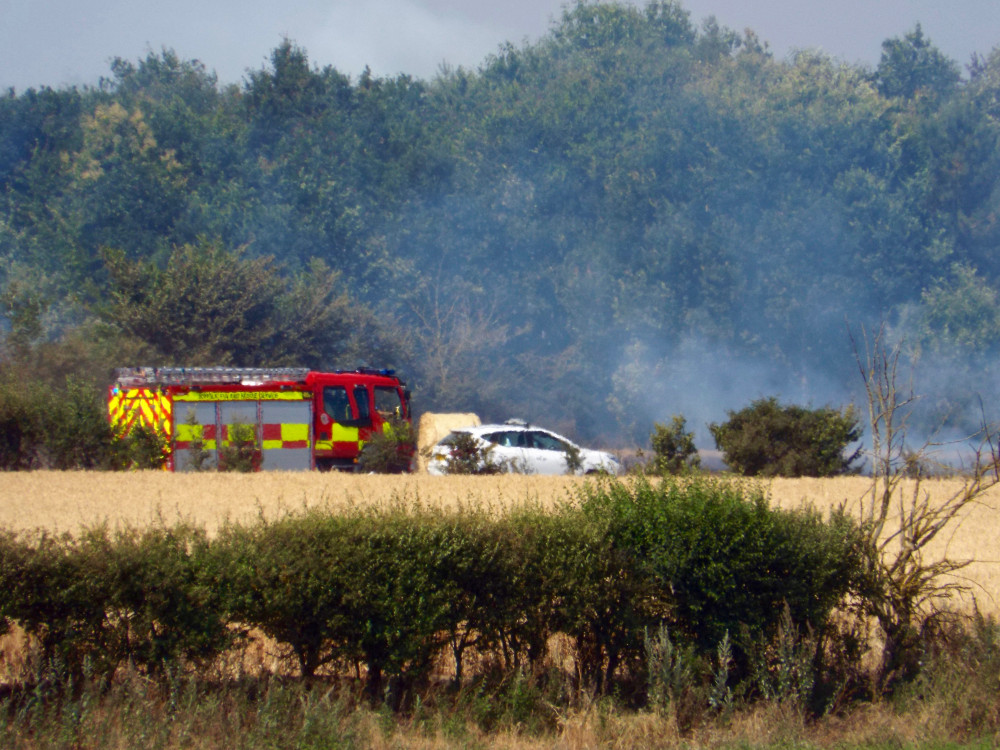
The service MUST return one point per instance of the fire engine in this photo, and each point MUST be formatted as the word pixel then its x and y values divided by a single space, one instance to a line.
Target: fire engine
pixel 298 418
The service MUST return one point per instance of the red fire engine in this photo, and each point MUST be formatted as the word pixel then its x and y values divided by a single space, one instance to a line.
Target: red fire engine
pixel 298 418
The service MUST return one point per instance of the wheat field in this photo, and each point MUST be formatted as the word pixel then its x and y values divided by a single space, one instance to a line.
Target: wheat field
pixel 69 501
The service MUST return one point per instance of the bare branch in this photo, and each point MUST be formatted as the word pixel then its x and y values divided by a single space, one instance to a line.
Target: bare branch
pixel 908 589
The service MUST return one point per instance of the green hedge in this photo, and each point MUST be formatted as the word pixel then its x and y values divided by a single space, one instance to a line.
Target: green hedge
pixel 395 588
pixel 726 560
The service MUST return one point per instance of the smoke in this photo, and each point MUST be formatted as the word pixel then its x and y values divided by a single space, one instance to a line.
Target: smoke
pixel 702 380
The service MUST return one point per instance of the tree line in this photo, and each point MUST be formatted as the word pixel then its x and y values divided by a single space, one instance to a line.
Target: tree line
pixel 612 224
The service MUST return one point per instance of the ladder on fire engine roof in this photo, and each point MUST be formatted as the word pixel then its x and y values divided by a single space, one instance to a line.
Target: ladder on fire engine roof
pixel 137 377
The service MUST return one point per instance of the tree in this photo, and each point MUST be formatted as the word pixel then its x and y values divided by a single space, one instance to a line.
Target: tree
pixel 127 189
pixel 212 305
pixel 906 587
pixel 960 313
pixel 457 330
pixel 913 65
pixel 768 439
pixel 673 447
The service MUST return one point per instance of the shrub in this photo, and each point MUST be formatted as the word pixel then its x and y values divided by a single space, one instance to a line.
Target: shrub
pixel 142 448
pixel 53 426
pixel 374 587
pixel 163 602
pixel 574 461
pixel 768 439
pixel 55 591
pixel 727 562
pixel 19 425
pixel 401 590
pixel 241 452
pixel 673 446
pixel 389 451
pixel 486 587
pixel 468 456
pixel 286 577
pixel 591 589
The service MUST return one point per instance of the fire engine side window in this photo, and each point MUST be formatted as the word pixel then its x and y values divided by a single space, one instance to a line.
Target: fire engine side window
pixel 387 402
pixel 364 404
pixel 336 403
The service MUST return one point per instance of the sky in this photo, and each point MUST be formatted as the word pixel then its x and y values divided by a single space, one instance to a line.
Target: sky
pixel 61 43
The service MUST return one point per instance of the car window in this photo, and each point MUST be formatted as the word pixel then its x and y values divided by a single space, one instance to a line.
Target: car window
pixel 547 442
pixel 507 438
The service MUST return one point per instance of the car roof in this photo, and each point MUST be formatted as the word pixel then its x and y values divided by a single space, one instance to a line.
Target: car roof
pixel 482 429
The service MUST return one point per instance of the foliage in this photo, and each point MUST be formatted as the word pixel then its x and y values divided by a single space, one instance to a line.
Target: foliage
pixel 389 451
pixel 912 65
pixel 511 235
pixel 467 455
pixel 729 562
pixel 673 446
pixel 674 674
pixel 768 439
pixel 286 578
pixel 198 457
pixel 163 605
pixel 142 448
pixel 46 424
pixel 574 461
pixel 240 449
pixel 688 596
pixel 210 304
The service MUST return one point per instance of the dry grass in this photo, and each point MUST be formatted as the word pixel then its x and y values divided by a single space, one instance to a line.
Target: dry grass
pixel 68 501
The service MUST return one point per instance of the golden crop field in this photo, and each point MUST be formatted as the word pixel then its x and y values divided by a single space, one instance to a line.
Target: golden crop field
pixel 68 501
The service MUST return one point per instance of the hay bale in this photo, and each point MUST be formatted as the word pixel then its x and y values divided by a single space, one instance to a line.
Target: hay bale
pixel 433 427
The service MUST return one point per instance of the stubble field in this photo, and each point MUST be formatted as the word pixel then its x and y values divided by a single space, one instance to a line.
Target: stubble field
pixel 69 501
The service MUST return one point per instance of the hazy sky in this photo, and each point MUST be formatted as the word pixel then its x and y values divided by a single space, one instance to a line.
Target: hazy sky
pixel 60 42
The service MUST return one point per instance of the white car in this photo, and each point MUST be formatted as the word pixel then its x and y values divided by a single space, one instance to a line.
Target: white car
pixel 516 446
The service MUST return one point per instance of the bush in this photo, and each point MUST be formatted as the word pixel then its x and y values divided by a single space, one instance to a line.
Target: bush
pixel 602 597
pixel 142 448
pixel 102 599
pixel 401 590
pixel 468 456
pixel 54 590
pixel 673 447
pixel 728 563
pixel 241 452
pixel 286 578
pixel 768 439
pixel 53 426
pixel 389 451
pixel 163 602
pixel 387 590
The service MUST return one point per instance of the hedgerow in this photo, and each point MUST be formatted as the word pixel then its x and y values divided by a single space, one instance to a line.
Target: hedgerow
pixel 384 594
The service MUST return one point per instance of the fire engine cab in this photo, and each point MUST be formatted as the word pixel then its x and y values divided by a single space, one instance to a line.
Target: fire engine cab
pixel 298 418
